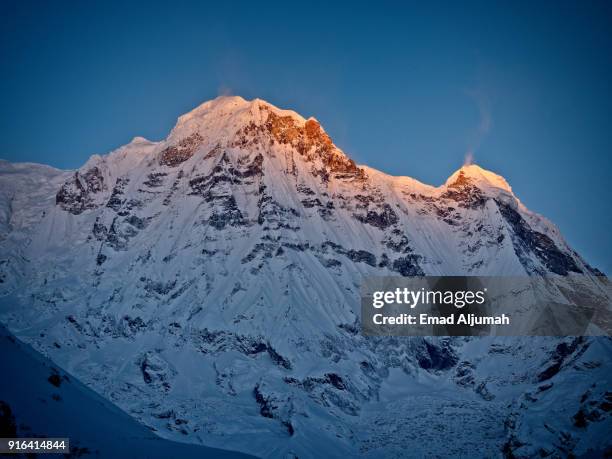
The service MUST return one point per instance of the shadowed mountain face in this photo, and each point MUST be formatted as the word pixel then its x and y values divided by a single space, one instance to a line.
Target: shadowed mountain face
pixel 37 399
pixel 213 278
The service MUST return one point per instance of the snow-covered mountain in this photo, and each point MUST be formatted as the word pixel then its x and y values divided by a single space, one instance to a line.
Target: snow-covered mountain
pixel 213 278
pixel 40 400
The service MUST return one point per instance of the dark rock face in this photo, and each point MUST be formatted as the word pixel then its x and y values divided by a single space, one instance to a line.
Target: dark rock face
pixel 116 200
pixel 325 208
pixel 99 230
pixel 123 227
pixel 465 193
pixel 136 222
pixel 408 266
pixel 362 256
pixel 436 357
pixel 132 326
pixel 212 342
pixel 177 154
pixel 560 355
pixel 527 240
pixel 310 203
pixel 298 247
pixel 263 249
pixel 309 140
pixel 331 388
pixel 248 168
pixel 226 214
pixel 157 287
pixel 155 371
pixel 216 188
pixel 100 259
pixel 118 234
pixel 265 407
pixel 278 359
pixel 311 382
pixel 155 179
pixel 398 242
pixel 447 213
pixel 204 185
pixel 274 406
pixel 303 189
pixel 76 195
pixel 464 374
pixel 382 217
pixel 592 409
pixel 358 256
pixel 335 381
pixel 273 215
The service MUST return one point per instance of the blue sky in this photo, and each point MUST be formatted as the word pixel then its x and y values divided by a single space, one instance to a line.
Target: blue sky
pixel 403 87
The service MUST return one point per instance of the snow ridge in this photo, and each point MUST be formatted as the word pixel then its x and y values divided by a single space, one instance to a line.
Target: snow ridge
pixel 208 284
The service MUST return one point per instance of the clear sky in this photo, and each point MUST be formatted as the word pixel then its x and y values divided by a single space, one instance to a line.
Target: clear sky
pixel 405 88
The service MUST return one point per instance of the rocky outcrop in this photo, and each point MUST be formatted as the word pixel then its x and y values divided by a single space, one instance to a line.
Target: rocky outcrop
pixel 217 341
pixel 77 194
pixel 309 141
pixel 465 193
pixel 155 371
pixel 175 155
pixel 528 243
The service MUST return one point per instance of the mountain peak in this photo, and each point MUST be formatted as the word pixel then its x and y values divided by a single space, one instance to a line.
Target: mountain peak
pixel 140 140
pixel 231 105
pixel 225 115
pixel 476 175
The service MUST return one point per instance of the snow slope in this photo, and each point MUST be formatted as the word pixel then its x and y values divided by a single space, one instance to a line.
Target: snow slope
pixel 214 276
pixel 37 399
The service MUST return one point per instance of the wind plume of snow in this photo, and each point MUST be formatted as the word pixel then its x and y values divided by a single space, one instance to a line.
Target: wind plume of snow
pixel 469 159
pixel 224 91
pixel 484 125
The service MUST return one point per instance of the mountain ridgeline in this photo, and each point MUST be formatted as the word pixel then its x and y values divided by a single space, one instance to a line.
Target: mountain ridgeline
pixel 208 284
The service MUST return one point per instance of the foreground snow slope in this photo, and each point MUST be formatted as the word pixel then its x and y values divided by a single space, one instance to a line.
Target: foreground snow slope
pixel 208 284
pixel 38 399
